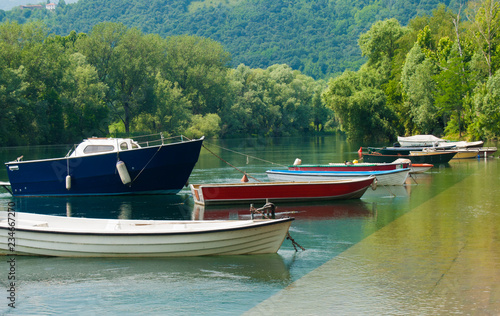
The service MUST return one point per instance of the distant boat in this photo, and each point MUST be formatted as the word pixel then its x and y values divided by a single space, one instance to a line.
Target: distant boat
pixel 385 177
pixel 415 167
pixel 406 150
pixel 108 166
pixel 431 140
pixel 475 152
pixel 332 189
pixel 47 235
pixel 351 166
pixel 420 167
pixel 416 157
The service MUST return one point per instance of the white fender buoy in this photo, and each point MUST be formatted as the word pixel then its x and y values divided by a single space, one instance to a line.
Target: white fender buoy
pixel 297 162
pixel 68 182
pixel 123 172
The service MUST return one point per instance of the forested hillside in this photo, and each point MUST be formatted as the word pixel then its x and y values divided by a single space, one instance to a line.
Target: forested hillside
pixel 437 74
pixel 317 37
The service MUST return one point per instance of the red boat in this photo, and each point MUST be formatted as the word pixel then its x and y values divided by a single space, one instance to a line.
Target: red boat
pixel 351 167
pixel 279 191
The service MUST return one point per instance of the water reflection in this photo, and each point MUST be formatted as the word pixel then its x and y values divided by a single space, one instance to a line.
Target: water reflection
pixel 159 207
pixel 310 210
pixel 257 268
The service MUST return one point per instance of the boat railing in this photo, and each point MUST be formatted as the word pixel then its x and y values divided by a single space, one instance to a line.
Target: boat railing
pixel 158 139
pixel 147 141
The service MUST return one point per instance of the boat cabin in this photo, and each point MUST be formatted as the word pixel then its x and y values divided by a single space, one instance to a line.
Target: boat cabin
pixel 93 146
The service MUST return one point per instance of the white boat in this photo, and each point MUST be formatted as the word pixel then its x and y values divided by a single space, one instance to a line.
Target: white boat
pixel 419 141
pixel 384 177
pixel 46 235
pixel 475 152
pixel 431 140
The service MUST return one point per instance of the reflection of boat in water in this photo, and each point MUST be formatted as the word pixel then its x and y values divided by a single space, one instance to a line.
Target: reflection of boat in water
pixel 393 191
pixel 156 207
pixel 311 210
pixel 257 268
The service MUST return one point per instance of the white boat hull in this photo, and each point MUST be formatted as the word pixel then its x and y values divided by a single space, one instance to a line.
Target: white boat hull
pixel 80 237
pixel 395 178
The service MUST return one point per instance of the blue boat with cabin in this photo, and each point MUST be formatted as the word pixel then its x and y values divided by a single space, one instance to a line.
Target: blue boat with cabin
pixel 108 166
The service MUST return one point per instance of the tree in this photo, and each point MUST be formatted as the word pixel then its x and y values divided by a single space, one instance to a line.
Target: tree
pixel 199 65
pixel 127 61
pixel 418 93
pixel 171 111
pixel 487 109
pixel 380 42
pixel 360 106
pixel 485 18
pixel 85 110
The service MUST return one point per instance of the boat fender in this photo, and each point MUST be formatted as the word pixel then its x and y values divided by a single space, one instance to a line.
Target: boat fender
pixel 68 182
pixel 374 184
pixel 123 172
pixel 297 162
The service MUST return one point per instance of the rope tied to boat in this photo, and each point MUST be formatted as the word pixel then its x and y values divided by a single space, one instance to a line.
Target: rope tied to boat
pixel 137 176
pixel 294 243
pixel 268 212
pixel 248 156
pixel 229 163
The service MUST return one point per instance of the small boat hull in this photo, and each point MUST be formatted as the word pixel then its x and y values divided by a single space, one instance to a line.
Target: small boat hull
pixel 433 158
pixel 431 140
pixel 207 194
pixel 350 167
pixel 476 152
pixel 406 150
pixel 420 167
pixel 45 235
pixel 388 177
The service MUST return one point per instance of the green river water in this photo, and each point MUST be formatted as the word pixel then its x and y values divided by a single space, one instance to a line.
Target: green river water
pixel 431 247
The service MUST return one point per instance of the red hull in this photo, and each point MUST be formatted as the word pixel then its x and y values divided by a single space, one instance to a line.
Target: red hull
pixel 279 191
pixel 353 167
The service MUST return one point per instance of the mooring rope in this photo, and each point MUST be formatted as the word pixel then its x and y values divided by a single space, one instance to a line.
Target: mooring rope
pixel 229 163
pixel 294 243
pixel 137 176
pixel 253 157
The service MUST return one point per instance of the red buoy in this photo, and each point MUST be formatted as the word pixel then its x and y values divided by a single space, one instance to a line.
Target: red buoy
pixel 245 178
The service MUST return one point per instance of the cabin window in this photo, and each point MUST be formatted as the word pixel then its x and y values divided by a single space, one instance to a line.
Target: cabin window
pixel 134 145
pixel 92 149
pixel 123 146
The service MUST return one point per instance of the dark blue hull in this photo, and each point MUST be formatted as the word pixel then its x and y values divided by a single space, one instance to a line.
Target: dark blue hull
pixel 153 170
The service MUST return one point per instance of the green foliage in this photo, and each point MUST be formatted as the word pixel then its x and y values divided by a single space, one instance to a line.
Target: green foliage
pixel 381 40
pixel 360 108
pixel 487 108
pixel 277 101
pixel 436 75
pixel 207 125
pixel 316 37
